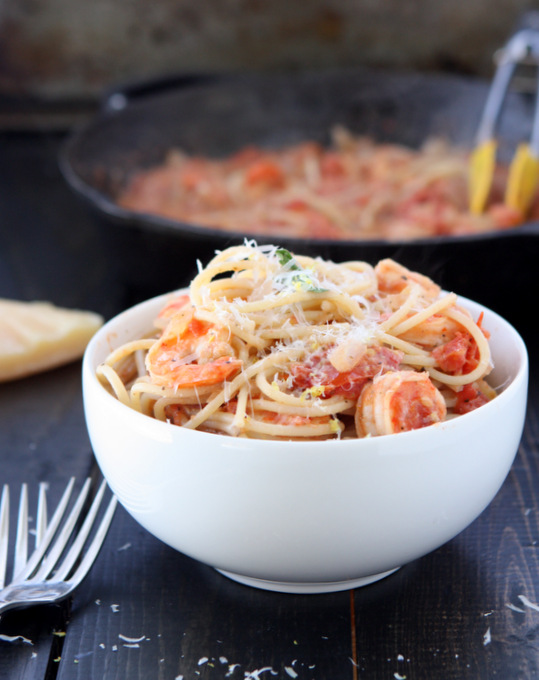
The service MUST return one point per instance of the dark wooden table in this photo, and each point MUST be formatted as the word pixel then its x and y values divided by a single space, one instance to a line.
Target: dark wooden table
pixel 467 611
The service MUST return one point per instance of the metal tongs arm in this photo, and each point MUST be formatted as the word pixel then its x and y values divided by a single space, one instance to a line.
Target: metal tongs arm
pixel 523 178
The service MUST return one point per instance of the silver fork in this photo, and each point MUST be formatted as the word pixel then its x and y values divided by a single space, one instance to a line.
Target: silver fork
pixel 59 561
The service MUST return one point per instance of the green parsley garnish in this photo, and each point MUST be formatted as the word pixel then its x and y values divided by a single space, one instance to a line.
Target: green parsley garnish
pixel 285 258
pixel 300 281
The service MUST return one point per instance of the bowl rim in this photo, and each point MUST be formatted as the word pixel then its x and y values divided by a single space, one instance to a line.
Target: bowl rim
pixel 89 365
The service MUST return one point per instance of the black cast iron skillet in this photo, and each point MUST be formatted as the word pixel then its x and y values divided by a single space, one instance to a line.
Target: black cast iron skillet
pixel 216 115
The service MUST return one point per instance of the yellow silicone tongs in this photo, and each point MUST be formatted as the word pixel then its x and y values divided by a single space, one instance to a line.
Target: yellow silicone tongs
pixel 523 177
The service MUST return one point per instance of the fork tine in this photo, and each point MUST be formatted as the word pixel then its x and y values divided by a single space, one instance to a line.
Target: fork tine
pixel 41 519
pixel 21 542
pixel 60 541
pixel 4 533
pixel 95 545
pixel 74 552
pixel 37 555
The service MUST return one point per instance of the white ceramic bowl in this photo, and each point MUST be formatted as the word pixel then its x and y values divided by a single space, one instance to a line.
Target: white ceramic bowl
pixel 306 517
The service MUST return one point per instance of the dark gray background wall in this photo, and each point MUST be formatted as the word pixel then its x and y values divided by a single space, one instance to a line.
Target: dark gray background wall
pixel 69 49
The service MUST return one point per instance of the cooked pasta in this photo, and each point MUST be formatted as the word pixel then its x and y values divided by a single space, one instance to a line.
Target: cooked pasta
pixel 354 190
pixel 268 344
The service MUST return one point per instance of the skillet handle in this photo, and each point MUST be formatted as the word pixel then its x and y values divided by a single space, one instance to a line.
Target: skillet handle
pixel 119 96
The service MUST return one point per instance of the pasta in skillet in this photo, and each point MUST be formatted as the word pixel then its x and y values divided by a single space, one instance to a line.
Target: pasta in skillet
pixel 269 344
pixel 355 189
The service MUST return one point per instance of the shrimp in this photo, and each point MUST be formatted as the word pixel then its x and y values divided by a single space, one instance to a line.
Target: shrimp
pixel 393 278
pixel 191 353
pixel 398 401
pixel 432 332
pixel 176 305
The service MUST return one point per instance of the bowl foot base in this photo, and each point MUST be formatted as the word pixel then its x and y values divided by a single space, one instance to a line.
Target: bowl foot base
pixel 306 588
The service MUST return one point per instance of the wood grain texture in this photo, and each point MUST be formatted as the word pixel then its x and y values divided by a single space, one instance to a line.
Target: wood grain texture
pixel 191 621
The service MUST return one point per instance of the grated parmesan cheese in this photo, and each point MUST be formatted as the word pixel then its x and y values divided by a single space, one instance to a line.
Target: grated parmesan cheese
pixel 16 638
pixel 528 603
pixel 131 639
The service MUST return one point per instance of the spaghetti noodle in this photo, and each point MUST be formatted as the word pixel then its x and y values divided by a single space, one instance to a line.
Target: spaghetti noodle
pixel 354 190
pixel 274 345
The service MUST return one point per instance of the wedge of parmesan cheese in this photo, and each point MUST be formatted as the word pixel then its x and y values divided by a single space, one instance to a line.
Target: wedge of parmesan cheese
pixel 37 336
